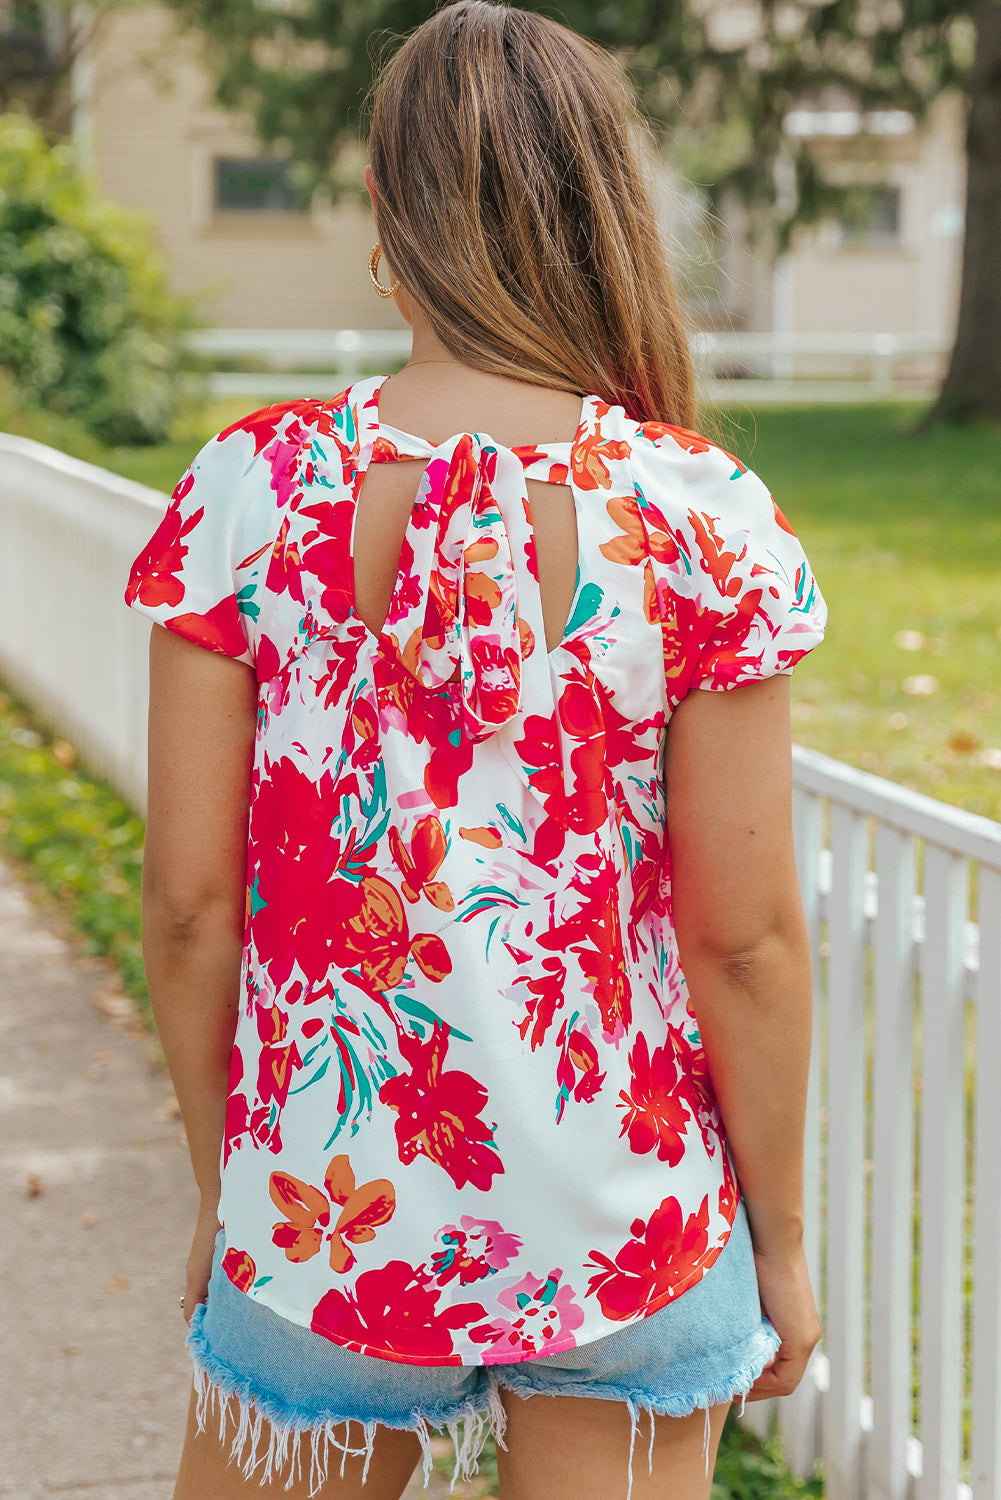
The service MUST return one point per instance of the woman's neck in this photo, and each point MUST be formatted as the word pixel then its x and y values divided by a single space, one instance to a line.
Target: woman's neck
pixel 426 344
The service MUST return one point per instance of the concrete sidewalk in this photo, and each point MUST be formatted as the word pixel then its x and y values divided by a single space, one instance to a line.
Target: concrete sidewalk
pixel 96 1206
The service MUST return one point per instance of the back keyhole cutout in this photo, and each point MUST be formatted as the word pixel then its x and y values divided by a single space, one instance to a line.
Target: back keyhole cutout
pixel 382 512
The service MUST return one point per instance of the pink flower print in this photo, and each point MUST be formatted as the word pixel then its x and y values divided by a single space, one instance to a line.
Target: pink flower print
pixel 544 1315
pixel 472 1250
pixel 276 694
pixel 284 457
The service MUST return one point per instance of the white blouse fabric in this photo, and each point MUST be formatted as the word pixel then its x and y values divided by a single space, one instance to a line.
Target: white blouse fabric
pixel 470 1118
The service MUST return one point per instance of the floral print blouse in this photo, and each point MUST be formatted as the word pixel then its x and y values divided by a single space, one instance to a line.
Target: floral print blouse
pixel 470 1119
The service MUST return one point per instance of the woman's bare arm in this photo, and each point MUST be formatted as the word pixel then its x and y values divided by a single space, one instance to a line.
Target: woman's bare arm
pixel 202 716
pixel 743 944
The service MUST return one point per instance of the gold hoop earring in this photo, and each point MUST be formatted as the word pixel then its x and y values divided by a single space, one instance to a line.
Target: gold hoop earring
pixel 373 267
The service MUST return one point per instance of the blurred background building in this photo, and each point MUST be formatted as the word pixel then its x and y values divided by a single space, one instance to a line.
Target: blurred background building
pixel 237 227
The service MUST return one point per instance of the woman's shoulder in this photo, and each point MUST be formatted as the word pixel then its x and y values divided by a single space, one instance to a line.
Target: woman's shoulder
pixel 683 470
pixel 284 420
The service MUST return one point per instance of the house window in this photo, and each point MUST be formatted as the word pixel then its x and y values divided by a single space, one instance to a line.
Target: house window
pixel 872 215
pixel 257 185
pixel 26 47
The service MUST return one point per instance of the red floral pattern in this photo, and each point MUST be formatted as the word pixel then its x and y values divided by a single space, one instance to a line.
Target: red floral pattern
pixel 663 1258
pixel 464 1036
pixel 438 1113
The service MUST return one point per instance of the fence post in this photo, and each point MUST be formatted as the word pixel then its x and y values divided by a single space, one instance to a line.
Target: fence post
pixel 845 1153
pixel 942 1172
pixel 985 1398
pixel 892 1255
pixel 799 1412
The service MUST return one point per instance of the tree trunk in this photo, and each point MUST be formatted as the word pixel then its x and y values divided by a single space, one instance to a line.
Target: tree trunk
pixel 972 386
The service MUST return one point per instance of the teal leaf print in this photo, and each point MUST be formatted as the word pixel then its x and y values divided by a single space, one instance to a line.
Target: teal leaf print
pixel 587 606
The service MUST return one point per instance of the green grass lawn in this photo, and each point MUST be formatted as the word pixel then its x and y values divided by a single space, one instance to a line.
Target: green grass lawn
pixel 904 535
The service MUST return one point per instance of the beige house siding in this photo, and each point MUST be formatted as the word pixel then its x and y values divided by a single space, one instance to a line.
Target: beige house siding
pixel 144 106
pixel 154 135
pixel 907 287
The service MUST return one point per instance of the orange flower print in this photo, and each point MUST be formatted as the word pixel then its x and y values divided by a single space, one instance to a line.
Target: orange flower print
pixel 488 837
pixel 307 1213
pixel 692 442
pixel 421 862
pixel 717 559
pixel 654 538
pixel 240 1268
pixel 631 547
pixel 374 935
pixel 590 471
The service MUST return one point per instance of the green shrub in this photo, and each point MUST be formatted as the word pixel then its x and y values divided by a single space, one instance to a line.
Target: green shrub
pixel 68 434
pixel 88 328
pixel 72 833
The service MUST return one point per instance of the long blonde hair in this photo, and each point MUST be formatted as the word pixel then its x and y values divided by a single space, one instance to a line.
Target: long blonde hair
pixel 512 174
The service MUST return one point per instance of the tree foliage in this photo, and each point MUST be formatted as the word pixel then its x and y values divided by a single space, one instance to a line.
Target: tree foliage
pixel 41 41
pixel 718 96
pixel 88 329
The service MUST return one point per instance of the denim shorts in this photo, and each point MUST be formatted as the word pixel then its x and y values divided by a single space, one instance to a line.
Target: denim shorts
pixel 292 1388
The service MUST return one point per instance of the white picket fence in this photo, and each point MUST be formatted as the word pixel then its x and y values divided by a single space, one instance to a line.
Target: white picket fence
pixel 68 643
pixel 774 366
pixel 903 900
pixel 907 1053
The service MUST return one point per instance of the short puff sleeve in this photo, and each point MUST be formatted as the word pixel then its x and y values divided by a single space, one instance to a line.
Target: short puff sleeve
pixel 731 583
pixel 761 597
pixel 201 573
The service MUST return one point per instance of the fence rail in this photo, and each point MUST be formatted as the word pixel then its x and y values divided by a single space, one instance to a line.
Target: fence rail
pixel 773 366
pixel 903 901
pixel 68 644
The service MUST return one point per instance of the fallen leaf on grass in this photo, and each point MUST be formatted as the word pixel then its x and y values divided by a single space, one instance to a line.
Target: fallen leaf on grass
pixel 909 640
pixel 963 742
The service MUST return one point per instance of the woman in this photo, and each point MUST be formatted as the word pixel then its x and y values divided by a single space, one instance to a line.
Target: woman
pixel 454 1030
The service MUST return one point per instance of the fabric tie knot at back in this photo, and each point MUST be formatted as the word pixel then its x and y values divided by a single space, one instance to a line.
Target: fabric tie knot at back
pixel 454 612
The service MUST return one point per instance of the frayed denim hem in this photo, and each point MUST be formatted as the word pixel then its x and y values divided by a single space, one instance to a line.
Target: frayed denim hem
pixel 766 1344
pixel 287 1428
